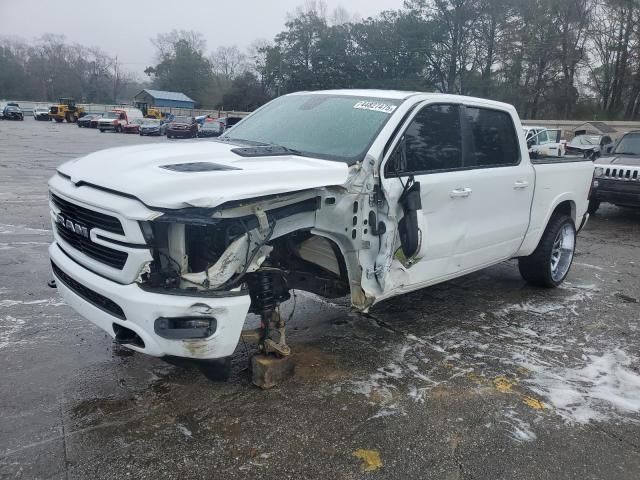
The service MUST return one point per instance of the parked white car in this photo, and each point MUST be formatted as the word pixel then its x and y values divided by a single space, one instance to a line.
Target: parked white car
pixel 40 113
pixel 364 193
pixel 116 119
pixel 544 142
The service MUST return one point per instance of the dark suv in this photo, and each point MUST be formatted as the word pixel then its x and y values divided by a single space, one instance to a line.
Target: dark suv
pixel 12 112
pixel 182 127
pixel 617 174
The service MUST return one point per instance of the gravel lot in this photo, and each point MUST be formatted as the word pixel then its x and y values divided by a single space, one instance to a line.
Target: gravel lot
pixel 483 377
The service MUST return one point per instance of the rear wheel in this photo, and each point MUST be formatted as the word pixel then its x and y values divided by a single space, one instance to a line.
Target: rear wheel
pixel 58 120
pixel 549 264
pixel 102 130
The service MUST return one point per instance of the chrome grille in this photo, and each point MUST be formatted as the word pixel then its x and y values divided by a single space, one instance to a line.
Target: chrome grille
pixel 106 255
pixel 623 173
pixel 90 218
pixel 79 238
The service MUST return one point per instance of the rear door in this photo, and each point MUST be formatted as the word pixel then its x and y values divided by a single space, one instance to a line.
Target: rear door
pixel 501 184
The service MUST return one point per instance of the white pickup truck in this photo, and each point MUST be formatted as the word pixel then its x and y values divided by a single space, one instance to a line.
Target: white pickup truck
pixel 368 193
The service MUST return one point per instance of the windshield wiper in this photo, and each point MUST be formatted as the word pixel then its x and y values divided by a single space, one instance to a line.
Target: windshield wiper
pixel 627 153
pixel 282 148
pixel 269 148
pixel 241 141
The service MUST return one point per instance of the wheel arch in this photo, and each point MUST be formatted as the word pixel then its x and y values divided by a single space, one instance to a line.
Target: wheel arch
pixel 351 261
pixel 564 203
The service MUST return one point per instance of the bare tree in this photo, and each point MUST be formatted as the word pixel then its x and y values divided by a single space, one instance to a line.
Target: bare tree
pixel 229 62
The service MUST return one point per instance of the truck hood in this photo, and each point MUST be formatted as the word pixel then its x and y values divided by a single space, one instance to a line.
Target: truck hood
pixel 199 174
pixel 624 160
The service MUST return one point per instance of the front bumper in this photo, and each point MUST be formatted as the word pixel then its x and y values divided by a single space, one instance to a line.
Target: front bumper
pixel 141 309
pixel 180 133
pixel 619 192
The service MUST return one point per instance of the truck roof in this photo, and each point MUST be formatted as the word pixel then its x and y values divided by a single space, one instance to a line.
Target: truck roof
pixel 403 95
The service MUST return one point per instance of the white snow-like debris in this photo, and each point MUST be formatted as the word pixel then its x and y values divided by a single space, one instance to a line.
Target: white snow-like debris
pixel 184 430
pixel 519 430
pixel 576 373
pixel 7 229
pixel 9 326
pixel 599 389
pixel 47 302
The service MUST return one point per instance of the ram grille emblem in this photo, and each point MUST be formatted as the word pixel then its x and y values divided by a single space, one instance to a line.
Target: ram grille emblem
pixel 72 226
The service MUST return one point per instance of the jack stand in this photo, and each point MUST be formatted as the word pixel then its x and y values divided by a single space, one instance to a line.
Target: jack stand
pixel 267 371
pixel 275 364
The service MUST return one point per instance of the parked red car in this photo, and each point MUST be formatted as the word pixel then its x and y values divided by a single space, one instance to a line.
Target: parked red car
pixel 134 126
pixel 182 127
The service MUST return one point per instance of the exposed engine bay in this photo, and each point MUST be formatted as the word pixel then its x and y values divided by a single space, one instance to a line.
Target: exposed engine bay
pixel 265 247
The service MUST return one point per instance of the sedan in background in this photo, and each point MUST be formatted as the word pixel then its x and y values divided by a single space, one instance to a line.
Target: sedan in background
pixel 211 129
pixel 12 113
pixel 589 146
pixel 182 127
pixel 228 122
pixel 42 114
pixel 153 127
pixel 134 126
pixel 89 121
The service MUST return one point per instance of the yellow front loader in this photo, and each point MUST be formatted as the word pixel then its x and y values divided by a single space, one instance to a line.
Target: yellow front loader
pixel 66 109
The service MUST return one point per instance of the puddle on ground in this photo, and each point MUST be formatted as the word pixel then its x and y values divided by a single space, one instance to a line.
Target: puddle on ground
pixel 314 365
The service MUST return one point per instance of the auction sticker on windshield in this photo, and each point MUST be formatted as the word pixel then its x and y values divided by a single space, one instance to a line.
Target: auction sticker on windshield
pixel 375 107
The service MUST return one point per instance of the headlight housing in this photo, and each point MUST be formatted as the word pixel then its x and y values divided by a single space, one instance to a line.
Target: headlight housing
pixel 598 172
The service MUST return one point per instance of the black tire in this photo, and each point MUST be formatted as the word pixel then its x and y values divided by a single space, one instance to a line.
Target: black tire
pixel 59 120
pixel 594 205
pixel 217 370
pixel 536 268
pixel 102 130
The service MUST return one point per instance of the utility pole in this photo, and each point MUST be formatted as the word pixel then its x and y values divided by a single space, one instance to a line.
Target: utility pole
pixel 116 80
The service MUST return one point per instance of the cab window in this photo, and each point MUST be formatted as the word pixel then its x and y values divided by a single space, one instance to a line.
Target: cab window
pixel 431 143
pixel 493 138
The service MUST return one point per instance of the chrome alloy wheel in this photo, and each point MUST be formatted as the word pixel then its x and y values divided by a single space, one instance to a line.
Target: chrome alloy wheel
pixel 562 252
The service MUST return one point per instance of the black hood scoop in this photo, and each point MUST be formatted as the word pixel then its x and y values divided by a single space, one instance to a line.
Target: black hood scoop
pixel 198 167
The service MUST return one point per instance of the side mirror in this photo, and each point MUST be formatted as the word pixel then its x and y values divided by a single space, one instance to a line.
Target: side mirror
pixel 530 143
pixel 609 149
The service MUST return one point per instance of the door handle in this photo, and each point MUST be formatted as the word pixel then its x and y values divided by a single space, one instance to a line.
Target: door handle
pixel 521 184
pixel 460 192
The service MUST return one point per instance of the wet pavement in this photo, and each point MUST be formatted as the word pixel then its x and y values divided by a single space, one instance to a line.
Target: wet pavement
pixel 482 377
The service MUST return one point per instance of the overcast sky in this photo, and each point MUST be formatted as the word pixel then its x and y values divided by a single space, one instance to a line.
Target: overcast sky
pixel 123 27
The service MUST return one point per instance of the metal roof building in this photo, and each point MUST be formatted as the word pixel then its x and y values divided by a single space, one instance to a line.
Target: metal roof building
pixel 159 98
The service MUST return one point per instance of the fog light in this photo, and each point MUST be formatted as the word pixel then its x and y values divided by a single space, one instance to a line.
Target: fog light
pixel 596 184
pixel 185 328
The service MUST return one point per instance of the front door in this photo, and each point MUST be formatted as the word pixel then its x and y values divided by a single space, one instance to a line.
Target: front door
pixel 475 192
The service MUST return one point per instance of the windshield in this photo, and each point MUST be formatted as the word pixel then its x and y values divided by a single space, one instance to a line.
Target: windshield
pixel 335 127
pixel 182 120
pixel 216 126
pixel 111 115
pixel 151 122
pixel 629 145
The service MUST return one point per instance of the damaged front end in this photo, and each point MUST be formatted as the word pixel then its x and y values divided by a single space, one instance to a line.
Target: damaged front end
pixel 264 247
